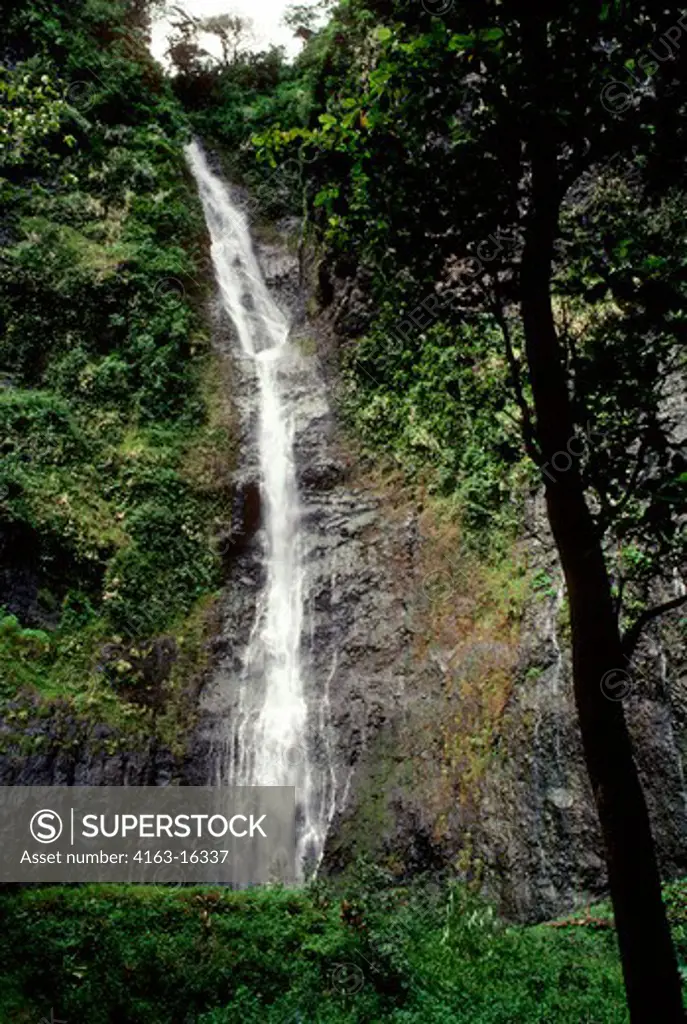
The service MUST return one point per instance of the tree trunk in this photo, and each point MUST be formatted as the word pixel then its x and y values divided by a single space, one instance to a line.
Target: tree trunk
pixel 649 966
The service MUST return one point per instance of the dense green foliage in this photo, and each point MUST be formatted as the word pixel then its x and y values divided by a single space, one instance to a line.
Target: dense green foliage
pixel 398 131
pixel 436 401
pixel 107 414
pixel 397 138
pixel 379 952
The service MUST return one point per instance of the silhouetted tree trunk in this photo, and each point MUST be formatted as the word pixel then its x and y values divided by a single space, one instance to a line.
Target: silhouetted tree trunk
pixel 648 959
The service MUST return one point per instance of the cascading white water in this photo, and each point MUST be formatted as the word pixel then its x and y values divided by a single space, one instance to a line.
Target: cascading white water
pixel 268 741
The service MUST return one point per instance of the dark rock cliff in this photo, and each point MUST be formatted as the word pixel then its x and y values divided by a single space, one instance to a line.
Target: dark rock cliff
pixel 449 738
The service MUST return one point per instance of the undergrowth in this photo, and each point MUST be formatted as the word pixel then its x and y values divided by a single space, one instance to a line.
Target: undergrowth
pixel 115 440
pixel 377 952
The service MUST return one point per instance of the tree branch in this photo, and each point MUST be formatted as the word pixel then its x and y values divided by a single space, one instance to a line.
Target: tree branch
pixel 619 600
pixel 527 427
pixel 632 635
pixel 630 489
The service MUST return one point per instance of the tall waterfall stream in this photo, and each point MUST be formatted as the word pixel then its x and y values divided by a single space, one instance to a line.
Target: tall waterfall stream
pixel 318 681
pixel 267 742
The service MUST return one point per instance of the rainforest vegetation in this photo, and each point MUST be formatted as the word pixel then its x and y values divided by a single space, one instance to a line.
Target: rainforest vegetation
pixel 114 438
pixel 489 205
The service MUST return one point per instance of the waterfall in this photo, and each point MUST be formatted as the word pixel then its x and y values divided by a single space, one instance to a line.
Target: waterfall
pixel 268 741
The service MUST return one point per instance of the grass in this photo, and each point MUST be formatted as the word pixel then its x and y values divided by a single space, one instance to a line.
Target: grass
pixel 377 952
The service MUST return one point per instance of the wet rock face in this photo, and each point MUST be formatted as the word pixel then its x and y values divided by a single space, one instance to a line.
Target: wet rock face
pixel 49 745
pixel 71 753
pixel 351 648
pixel 536 828
pixel 387 705
pixel 523 826
pixel 384 699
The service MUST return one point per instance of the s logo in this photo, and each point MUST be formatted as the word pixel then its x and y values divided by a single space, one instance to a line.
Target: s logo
pixel 46 826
